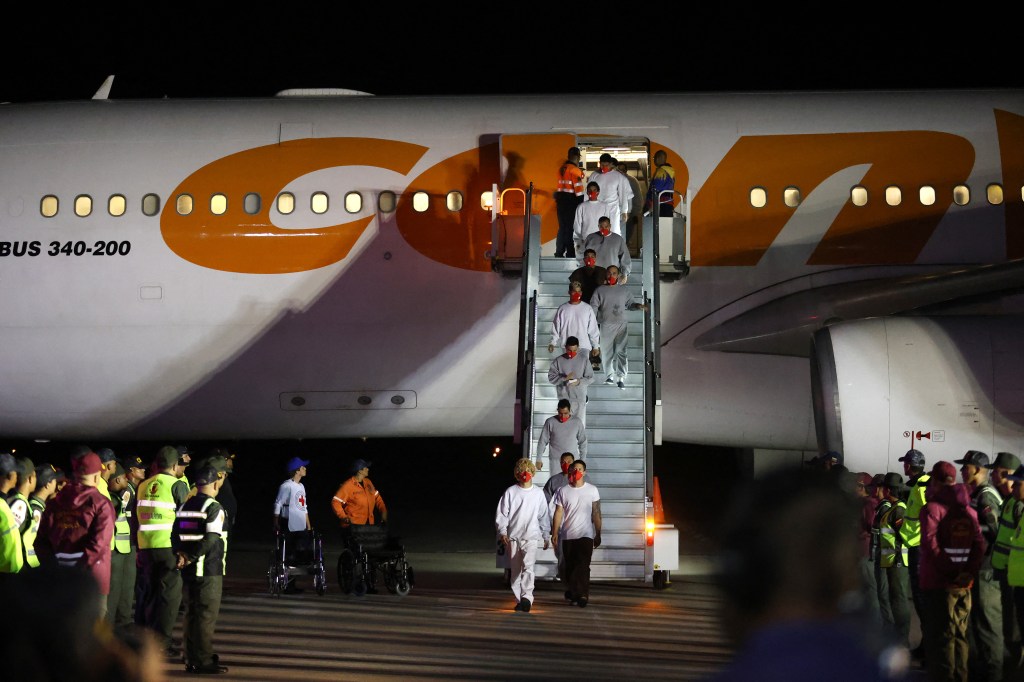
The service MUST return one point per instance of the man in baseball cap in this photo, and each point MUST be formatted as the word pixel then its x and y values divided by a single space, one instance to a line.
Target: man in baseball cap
pixel 12 556
pixel 291 512
pixel 78 525
pixel 986 622
pixel 357 499
pixel 917 482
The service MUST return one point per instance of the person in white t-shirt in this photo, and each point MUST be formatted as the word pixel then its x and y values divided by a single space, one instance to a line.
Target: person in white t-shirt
pixel 578 518
pixel 291 512
pixel 522 521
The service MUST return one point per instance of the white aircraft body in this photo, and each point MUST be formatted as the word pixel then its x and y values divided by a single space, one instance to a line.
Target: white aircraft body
pixel 154 283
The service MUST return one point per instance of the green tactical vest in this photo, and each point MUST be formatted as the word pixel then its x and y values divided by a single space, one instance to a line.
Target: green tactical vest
pixel 890 541
pixel 156 511
pixel 12 557
pixel 911 530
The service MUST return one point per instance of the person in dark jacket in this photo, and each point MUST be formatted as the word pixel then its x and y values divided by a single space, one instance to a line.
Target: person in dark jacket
pixel 78 525
pixel 952 550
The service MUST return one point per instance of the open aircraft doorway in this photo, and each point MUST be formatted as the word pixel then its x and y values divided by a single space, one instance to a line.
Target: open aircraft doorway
pixel 535 158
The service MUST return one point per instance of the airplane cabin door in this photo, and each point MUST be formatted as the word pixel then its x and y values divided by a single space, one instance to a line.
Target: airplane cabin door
pixel 534 158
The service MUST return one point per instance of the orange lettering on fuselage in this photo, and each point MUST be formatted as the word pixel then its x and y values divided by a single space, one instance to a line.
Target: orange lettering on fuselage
pixel 457 238
pixel 728 230
pixel 1011 151
pixel 239 242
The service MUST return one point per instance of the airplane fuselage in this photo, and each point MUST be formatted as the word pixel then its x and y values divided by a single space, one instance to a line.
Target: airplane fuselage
pixel 208 310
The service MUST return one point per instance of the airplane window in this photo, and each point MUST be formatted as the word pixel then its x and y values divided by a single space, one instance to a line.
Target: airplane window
pixel 116 205
pixel 184 204
pixel 318 203
pixel 386 202
pixel 454 201
pixel 150 204
pixel 995 194
pixel 48 206
pixel 252 203
pixel 487 199
pixel 893 195
pixel 961 195
pixel 353 202
pixel 420 202
pixel 859 196
pixel 285 203
pixel 83 205
pixel 218 204
pixel 791 195
pixel 927 195
pixel 758 197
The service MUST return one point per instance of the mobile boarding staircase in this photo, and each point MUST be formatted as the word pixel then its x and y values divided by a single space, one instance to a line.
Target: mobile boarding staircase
pixel 623 425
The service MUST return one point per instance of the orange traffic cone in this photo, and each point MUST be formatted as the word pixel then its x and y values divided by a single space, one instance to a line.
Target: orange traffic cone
pixel 659 510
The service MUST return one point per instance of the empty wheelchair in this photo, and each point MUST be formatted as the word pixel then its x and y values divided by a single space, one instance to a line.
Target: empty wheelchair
pixel 299 553
pixel 367 551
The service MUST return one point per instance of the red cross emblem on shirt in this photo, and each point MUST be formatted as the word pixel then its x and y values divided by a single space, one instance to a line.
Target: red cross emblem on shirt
pixel 302 500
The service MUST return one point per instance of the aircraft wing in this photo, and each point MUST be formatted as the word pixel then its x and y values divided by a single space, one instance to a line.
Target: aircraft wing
pixel 784 326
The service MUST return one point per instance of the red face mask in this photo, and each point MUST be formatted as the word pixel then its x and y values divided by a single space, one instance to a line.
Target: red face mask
pixel 606 231
pixel 613 280
pixel 592 195
pixel 565 466
pixel 575 475
pixel 575 297
pixel 590 262
pixel 571 354
pixel 563 417
pixel 525 476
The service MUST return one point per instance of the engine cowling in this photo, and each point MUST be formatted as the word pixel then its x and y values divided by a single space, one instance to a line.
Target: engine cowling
pixel 944 385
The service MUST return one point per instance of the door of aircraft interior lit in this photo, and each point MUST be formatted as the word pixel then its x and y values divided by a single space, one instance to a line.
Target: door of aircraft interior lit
pixel 535 158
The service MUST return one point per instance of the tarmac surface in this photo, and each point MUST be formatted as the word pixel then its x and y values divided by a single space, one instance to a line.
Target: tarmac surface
pixel 458 623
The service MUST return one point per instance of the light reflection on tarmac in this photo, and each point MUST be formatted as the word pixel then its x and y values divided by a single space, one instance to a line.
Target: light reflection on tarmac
pixel 458 624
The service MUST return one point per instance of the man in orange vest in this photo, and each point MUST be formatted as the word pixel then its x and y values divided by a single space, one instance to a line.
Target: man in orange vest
pixel 568 195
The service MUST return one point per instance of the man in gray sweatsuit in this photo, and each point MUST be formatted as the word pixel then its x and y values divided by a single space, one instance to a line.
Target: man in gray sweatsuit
pixel 610 303
pixel 561 433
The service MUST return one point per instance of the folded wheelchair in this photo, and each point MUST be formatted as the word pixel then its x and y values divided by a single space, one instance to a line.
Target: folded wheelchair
pixel 298 553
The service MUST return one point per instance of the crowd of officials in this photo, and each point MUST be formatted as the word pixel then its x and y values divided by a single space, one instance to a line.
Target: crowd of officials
pixel 951 551
pixel 140 537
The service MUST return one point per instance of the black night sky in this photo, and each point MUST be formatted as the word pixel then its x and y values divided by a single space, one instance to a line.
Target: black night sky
pixel 183 50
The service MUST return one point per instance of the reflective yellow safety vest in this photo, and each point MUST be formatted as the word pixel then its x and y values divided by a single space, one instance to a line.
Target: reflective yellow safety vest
pixel 122 529
pixel 911 530
pixel 156 511
pixel 12 556
pixel 104 487
pixel 1015 561
pixel 1007 524
pixel 28 538
pixel 890 541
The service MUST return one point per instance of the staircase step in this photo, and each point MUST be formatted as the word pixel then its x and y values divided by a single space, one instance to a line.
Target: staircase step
pixel 596 391
pixel 602 477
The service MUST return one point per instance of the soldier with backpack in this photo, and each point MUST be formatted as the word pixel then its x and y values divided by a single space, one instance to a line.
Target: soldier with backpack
pixel 952 550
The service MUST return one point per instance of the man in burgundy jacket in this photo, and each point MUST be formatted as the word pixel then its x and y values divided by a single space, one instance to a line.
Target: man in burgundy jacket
pixel 952 550
pixel 78 525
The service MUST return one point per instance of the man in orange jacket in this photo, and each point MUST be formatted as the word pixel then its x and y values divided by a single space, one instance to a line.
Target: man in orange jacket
pixel 357 499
